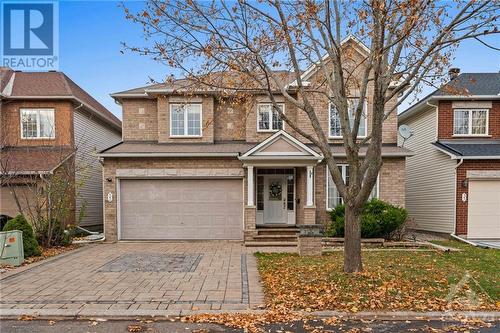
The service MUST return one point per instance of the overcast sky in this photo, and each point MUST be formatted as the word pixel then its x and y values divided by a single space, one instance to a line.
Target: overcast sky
pixel 89 51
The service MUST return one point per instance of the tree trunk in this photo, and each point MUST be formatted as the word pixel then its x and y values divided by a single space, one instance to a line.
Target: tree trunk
pixel 352 240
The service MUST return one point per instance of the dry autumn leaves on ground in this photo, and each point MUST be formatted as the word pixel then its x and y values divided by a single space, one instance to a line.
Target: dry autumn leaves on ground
pixel 392 280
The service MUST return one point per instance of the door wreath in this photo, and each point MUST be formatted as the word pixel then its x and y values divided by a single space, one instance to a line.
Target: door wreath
pixel 275 191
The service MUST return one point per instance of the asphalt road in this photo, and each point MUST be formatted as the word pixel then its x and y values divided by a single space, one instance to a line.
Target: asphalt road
pixel 316 326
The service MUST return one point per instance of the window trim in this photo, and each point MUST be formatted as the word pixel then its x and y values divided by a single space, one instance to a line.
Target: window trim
pixel 469 131
pixel 270 119
pixel 343 165
pixel 186 121
pixel 38 137
pixel 330 136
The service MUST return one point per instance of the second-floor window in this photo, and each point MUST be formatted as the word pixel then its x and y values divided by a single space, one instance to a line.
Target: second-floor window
pixel 335 130
pixel 37 124
pixel 185 119
pixel 470 122
pixel 268 119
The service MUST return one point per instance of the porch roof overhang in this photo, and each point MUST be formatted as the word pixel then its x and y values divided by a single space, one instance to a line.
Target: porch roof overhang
pixel 281 149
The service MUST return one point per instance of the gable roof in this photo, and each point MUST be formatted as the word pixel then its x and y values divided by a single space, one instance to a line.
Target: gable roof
pixel 186 85
pixel 471 86
pixel 299 149
pixel 50 85
pixel 314 67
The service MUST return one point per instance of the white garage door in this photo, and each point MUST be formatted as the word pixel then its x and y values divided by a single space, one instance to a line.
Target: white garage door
pixel 181 209
pixel 484 209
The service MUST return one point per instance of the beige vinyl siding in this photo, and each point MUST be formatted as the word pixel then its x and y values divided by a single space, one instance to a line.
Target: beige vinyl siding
pixel 91 136
pixel 430 177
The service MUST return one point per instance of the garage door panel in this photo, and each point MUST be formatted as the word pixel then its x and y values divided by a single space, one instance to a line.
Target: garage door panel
pixel 484 209
pixel 181 209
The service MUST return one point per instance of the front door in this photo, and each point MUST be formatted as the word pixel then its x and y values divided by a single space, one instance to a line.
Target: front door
pixel 275 199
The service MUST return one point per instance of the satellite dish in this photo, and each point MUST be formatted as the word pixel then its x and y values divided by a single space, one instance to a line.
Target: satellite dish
pixel 405 131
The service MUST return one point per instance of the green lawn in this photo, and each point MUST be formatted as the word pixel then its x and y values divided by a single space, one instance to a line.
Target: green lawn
pixel 392 280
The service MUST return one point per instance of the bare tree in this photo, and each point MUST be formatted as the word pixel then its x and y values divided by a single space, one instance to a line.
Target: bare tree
pixel 244 46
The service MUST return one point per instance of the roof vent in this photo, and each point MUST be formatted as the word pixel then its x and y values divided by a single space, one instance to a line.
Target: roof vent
pixel 453 73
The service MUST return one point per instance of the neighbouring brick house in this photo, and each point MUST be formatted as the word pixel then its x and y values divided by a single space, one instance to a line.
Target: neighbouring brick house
pixel 453 181
pixel 195 166
pixel 50 125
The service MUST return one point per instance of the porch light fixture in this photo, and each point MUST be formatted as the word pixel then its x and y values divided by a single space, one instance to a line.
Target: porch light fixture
pixel 465 183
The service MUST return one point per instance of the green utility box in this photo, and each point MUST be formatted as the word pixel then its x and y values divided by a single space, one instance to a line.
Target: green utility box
pixel 11 248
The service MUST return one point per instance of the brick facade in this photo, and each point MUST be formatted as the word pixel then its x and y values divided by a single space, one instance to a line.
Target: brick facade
pixel 236 120
pixel 445 120
pixel 461 206
pixel 11 123
pixel 391 187
pixel 207 121
pixel 223 120
pixel 140 120
pixel 10 135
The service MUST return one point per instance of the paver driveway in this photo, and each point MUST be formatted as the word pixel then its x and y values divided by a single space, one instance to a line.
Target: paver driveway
pixel 144 276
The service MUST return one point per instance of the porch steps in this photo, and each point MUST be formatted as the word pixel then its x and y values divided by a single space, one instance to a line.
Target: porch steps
pixel 273 244
pixel 284 236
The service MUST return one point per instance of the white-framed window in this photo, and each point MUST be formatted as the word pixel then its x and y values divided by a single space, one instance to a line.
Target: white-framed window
pixel 268 119
pixel 37 123
pixel 185 120
pixel 470 122
pixel 333 198
pixel 335 129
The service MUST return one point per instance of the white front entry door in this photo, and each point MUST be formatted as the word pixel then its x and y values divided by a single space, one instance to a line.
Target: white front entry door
pixel 275 199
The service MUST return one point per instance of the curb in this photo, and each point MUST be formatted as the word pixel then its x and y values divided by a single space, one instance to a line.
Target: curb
pixel 166 314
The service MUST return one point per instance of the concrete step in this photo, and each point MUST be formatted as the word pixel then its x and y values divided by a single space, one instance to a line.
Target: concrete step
pixel 275 244
pixel 275 236
pixel 289 232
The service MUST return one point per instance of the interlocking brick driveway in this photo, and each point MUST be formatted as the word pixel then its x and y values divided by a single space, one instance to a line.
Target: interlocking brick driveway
pixel 140 276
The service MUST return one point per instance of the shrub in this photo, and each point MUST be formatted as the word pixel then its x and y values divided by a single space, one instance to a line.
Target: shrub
pixel 30 244
pixel 59 236
pixel 378 219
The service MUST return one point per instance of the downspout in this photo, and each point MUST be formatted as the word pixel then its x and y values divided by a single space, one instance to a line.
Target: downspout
pixel 463 240
pixel 455 196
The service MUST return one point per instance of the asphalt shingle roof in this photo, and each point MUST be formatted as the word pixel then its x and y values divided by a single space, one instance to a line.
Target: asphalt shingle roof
pixel 235 147
pixel 15 84
pixel 466 85
pixel 472 148
pixel 476 84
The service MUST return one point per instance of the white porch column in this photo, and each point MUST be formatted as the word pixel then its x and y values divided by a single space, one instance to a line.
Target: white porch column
pixel 250 186
pixel 309 187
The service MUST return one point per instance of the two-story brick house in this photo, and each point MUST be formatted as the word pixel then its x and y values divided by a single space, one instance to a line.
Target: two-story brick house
pixel 453 181
pixel 48 123
pixel 192 165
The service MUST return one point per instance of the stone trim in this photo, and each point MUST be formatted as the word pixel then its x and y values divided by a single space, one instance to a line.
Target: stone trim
pixel 471 104
pixel 483 174
pixel 180 173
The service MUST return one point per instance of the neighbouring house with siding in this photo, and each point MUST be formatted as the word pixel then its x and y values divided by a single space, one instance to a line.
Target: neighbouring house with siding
pixel 453 180
pixel 48 123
